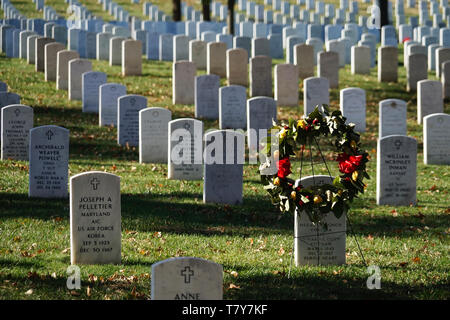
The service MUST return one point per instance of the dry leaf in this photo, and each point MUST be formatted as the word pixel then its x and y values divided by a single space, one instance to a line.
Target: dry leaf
pixel 234 274
pixel 233 286
pixel 65 250
pixel 88 291
pixel 74 293
pixel 29 292
pixel 416 260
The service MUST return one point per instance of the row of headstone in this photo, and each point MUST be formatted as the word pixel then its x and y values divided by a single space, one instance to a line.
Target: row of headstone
pixel 96 234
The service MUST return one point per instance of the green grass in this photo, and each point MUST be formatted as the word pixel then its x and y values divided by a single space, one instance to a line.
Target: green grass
pixel 163 218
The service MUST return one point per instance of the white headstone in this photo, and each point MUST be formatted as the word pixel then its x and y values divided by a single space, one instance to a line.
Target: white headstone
pixel 153 134
pixel 392 117
pixel 91 81
pixel 436 133
pixel 313 244
pixel 109 93
pixel 95 218
pixel 128 108
pixel 224 165
pixel 396 170
pixel 17 120
pixel 49 162
pixel 353 107
pixel 187 278
pixel 185 152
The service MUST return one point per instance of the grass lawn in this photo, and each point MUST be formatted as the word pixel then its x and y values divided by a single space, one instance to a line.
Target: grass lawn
pixel 163 218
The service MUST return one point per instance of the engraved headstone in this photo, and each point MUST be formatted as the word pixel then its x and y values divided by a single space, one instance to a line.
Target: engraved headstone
pixel 95 218
pixel 328 67
pixel 109 93
pixel 436 133
pixel 261 112
pixel 185 152
pixel 261 76
pixel 232 107
pixel 183 82
pixel 91 81
pixel 286 85
pixel 313 244
pixel 223 167
pixel 387 64
pixel 353 107
pixel 153 134
pixel 237 67
pixel 429 98
pixel 49 162
pixel 17 120
pixel 392 113
pixel 315 92
pixel 207 96
pixel 396 170
pixel 128 108
pixel 187 278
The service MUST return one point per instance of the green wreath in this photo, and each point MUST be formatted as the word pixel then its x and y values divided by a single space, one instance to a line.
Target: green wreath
pixel 317 201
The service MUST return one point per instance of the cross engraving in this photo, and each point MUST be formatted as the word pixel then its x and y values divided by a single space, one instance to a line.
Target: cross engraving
pixel 95 182
pixel 17 112
pixel 49 134
pixel 398 144
pixel 187 273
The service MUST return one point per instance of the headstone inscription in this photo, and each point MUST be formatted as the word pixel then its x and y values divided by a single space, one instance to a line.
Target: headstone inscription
pixel 95 218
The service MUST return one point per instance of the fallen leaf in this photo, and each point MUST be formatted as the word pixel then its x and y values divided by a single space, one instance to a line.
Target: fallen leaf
pixel 234 274
pixel 74 293
pixel 88 291
pixel 29 292
pixel 233 286
pixel 403 264
pixel 416 260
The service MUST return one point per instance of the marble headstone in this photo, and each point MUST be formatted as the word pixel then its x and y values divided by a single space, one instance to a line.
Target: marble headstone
pixel 223 167
pixel 128 108
pixel 187 278
pixel 91 81
pixel 185 152
pixel 392 117
pixel 17 120
pixel 353 107
pixel 95 218
pixel 396 170
pixel 436 133
pixel 313 244
pixel 109 93
pixel 153 134
pixel 49 162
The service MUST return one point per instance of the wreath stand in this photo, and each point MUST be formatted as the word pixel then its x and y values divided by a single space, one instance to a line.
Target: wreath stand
pixel 315 200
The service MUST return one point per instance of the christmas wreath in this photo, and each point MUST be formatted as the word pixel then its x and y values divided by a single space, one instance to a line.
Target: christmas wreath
pixel 318 200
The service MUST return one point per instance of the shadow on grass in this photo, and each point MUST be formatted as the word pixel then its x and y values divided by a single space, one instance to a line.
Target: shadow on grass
pixel 147 213
pixel 304 283
pixel 316 286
